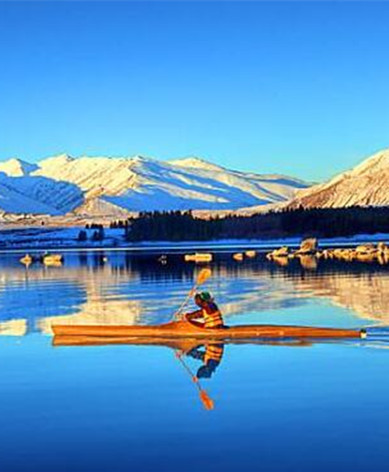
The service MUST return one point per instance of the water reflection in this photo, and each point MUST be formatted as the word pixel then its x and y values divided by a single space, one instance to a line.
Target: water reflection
pixel 123 288
pixel 199 359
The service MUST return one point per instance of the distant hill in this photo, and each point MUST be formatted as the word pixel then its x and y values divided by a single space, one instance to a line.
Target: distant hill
pixel 365 185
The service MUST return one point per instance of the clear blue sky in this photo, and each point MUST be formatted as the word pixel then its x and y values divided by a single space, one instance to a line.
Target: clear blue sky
pixel 299 88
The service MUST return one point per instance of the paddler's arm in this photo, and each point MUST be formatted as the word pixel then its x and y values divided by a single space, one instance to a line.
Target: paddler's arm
pixel 194 315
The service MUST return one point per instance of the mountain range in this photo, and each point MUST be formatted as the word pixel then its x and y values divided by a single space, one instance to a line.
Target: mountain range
pixel 113 187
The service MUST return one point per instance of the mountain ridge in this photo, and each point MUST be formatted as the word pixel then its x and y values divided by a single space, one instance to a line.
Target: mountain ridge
pixel 132 184
pixel 366 184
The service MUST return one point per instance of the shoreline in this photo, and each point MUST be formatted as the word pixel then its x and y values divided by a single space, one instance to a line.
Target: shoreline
pixel 65 239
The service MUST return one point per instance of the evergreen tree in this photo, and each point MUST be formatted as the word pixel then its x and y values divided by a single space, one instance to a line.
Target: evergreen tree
pixel 82 235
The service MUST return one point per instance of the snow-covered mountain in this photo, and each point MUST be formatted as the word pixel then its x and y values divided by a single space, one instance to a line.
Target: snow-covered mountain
pixel 367 184
pixel 114 186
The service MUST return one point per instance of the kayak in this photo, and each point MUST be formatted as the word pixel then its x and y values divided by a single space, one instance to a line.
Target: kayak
pixel 184 329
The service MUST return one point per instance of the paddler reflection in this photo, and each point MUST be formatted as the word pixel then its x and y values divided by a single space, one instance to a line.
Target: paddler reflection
pixel 210 355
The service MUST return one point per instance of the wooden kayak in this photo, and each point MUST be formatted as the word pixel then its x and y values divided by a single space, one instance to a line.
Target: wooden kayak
pixel 184 329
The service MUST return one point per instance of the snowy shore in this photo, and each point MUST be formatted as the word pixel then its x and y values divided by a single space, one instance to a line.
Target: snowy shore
pixel 39 239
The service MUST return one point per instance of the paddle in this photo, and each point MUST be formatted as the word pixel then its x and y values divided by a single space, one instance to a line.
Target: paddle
pixel 202 277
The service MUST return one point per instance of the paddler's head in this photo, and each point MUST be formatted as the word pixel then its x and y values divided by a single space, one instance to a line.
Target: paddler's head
pixel 202 298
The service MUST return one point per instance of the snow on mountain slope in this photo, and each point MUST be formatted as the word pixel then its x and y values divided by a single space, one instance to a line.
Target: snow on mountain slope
pixel 101 185
pixel 195 163
pixel 13 201
pixel 139 184
pixel 164 186
pixel 37 195
pixel 17 167
pixel 95 176
pixel 367 184
pixel 101 208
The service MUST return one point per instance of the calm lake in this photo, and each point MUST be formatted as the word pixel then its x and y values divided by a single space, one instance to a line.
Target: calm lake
pixel 277 407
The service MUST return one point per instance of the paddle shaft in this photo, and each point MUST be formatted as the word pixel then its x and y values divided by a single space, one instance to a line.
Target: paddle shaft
pixel 187 368
pixel 201 278
pixel 178 313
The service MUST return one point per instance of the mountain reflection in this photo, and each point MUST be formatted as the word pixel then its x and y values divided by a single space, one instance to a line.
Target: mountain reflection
pixel 123 288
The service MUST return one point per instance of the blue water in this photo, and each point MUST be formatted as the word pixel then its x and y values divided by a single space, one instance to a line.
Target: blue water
pixel 277 407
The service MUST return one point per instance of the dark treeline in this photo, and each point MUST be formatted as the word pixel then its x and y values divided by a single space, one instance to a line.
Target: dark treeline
pixel 119 224
pixel 94 226
pixel 179 226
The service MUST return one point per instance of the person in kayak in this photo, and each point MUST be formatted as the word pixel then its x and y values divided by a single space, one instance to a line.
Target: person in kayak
pixel 208 312
pixel 210 358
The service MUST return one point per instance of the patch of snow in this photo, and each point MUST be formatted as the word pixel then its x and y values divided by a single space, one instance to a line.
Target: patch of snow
pixel 16 167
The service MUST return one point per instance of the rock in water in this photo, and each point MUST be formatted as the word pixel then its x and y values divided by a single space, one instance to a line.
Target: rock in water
pixel 281 252
pixel 365 249
pixel 308 246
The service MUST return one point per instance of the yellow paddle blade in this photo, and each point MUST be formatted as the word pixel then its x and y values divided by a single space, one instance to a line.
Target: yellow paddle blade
pixel 203 276
pixel 207 401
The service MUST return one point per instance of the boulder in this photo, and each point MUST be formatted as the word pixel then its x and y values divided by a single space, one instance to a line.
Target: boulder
pixel 281 252
pixel 238 256
pixel 365 249
pixel 308 246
